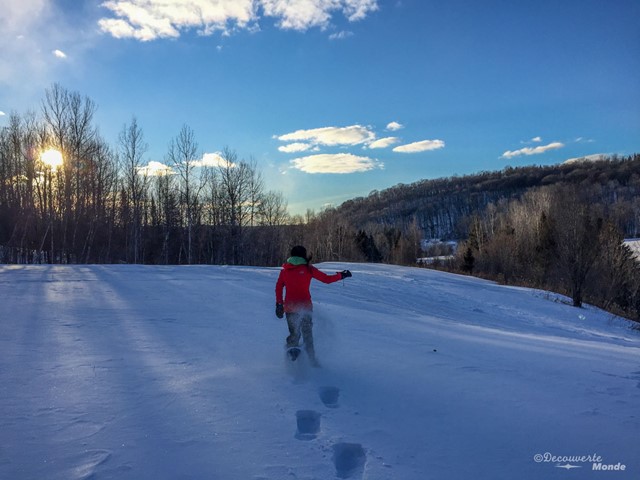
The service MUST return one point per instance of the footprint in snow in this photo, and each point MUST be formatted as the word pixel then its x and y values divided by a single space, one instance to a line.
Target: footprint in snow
pixel 329 396
pixel 349 460
pixel 308 422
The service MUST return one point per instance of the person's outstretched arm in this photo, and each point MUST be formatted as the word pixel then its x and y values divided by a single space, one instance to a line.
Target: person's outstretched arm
pixel 325 278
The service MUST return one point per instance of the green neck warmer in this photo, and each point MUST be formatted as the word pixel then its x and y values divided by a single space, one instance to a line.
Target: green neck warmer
pixel 297 261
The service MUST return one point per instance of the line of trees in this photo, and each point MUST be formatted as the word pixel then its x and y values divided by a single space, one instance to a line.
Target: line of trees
pixel 443 207
pixel 105 205
pixel 557 238
pixel 558 227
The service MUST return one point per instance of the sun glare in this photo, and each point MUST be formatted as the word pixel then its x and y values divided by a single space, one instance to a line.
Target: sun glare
pixel 52 158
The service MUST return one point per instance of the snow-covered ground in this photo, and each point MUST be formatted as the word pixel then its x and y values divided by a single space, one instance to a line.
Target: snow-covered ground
pixel 634 245
pixel 140 372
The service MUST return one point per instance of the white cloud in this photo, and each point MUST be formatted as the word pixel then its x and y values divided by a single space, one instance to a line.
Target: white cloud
pixel 298 15
pixel 358 9
pixel 340 35
pixel 121 29
pixel 530 141
pixel 295 147
pixel 393 126
pixel 148 20
pixel 156 169
pixel 151 19
pixel 212 160
pixel 2 114
pixel 59 53
pixel 596 157
pixel 532 150
pixel 335 163
pixel 422 146
pixel 383 142
pixel 302 15
pixel 331 136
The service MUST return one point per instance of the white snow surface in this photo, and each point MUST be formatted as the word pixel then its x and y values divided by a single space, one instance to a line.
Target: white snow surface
pixel 147 372
pixel 634 245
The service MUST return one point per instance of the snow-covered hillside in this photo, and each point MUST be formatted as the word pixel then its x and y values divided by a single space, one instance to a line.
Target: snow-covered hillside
pixel 135 372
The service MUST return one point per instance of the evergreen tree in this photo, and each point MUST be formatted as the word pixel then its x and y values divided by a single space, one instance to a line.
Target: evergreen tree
pixel 469 261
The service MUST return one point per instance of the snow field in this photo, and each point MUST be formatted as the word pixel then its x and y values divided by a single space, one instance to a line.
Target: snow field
pixel 139 372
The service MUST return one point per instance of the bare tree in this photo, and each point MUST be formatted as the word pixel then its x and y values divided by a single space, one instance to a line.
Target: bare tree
pixel 169 212
pixel 69 118
pixel 55 108
pixel 182 157
pixel 101 180
pixel 577 237
pixel 234 177
pixel 273 209
pixel 255 197
pixel 132 148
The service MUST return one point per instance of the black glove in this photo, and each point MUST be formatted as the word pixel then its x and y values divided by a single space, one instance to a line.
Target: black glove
pixel 279 310
pixel 345 274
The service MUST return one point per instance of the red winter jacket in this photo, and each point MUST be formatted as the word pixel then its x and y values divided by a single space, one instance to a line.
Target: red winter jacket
pixel 296 280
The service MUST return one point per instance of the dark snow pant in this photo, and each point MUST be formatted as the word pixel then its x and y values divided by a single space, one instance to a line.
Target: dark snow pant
pixel 301 323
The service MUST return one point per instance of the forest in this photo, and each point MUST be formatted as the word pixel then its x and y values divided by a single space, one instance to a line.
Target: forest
pixel 558 227
pixel 103 204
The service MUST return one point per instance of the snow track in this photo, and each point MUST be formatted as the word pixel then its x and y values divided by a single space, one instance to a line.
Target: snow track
pixel 133 372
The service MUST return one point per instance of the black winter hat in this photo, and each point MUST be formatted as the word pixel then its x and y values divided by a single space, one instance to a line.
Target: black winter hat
pixel 299 251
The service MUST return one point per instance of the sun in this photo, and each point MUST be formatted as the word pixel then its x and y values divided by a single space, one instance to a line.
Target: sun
pixel 52 158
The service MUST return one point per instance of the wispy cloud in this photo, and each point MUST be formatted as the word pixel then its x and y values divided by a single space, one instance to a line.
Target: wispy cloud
pixel 16 15
pixel 345 137
pixel 331 136
pixel 340 35
pixel 295 147
pixel 20 56
pixel 383 142
pixel 596 157
pixel 2 114
pixel 156 169
pixel 335 163
pixel 422 146
pixel 213 160
pixel 532 150
pixel 151 19
pixel 28 30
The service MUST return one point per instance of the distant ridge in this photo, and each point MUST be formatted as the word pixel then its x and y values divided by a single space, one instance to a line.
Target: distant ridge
pixel 439 205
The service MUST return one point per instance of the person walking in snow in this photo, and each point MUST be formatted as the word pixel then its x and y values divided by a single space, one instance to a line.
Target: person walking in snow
pixel 295 277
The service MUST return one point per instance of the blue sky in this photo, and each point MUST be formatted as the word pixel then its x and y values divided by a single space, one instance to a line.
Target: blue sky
pixel 335 98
